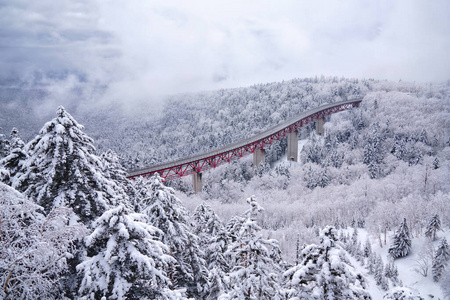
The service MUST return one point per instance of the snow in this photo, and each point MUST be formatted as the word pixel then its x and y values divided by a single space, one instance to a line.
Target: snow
pixel 283 159
pixel 424 285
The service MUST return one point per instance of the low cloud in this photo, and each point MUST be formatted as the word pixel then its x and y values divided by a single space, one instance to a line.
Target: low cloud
pixel 137 51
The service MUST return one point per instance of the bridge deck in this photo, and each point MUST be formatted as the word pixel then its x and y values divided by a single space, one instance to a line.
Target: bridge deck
pixel 254 139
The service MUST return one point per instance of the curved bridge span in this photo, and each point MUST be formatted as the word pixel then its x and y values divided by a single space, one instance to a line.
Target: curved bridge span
pixel 255 145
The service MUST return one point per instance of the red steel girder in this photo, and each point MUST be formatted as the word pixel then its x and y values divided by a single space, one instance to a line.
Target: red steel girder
pixel 169 172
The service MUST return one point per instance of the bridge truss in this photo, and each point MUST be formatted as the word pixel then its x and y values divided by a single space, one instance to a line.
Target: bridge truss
pixel 213 159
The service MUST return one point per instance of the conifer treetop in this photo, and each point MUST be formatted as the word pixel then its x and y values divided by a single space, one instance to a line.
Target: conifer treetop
pixel 62 170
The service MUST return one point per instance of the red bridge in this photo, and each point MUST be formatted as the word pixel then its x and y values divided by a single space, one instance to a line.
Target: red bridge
pixel 256 145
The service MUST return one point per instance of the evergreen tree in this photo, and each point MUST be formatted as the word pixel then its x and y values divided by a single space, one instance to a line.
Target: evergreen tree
pixel 218 264
pixel 367 251
pixel 391 272
pixel 214 239
pixel 436 163
pixel 323 178
pixel 255 274
pixel 401 244
pixel 4 145
pixel 440 260
pixel 233 227
pixel 217 284
pixel 283 170
pixel 372 263
pixel 433 225
pixel 206 224
pixel 113 170
pixel 379 275
pixel 12 163
pixel 262 169
pixel 325 272
pixel 124 259
pixel 166 212
pixel 62 170
pixel 373 151
pixel 354 240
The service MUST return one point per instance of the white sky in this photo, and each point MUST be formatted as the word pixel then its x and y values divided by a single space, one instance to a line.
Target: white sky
pixel 140 48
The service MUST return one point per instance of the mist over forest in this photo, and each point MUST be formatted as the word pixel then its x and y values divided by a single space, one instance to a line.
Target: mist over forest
pixel 372 195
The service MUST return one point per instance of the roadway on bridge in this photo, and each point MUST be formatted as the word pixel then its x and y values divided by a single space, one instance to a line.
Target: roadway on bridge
pixel 230 147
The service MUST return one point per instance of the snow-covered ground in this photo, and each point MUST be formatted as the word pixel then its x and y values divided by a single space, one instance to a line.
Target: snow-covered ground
pixel 426 286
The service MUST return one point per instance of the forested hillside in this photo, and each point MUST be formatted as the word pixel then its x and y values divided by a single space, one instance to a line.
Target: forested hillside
pixel 365 202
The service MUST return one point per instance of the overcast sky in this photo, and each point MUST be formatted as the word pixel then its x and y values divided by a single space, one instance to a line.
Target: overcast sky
pixel 143 48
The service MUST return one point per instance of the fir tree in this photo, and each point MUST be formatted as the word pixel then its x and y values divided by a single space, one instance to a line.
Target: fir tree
pixel 401 244
pixel 166 212
pixel 325 272
pixel 440 260
pixel 62 170
pixel 125 260
pixel 12 163
pixel 433 225
pixel 379 275
pixel 113 170
pixel 391 272
pixel 218 263
pixel 233 227
pixel 214 239
pixel 254 275
pixel 367 251
pixel 4 145
pixel 373 151
pixel 436 163
pixel 206 224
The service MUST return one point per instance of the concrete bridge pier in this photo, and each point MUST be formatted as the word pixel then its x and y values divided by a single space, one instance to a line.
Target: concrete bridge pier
pixel 197 182
pixel 292 146
pixel 258 157
pixel 319 126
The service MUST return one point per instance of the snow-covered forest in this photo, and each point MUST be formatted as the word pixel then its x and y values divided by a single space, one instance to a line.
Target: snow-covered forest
pixel 364 214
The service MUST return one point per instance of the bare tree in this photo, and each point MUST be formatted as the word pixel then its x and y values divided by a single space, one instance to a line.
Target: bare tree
pixel 424 259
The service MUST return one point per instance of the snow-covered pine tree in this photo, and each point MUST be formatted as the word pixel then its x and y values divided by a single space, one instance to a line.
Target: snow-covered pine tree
pixel 262 169
pixel 277 257
pixel 367 251
pixel 4 145
pixel 166 212
pixel 124 259
pixel 113 170
pixel 391 272
pixel 63 171
pixel 11 164
pixel 432 227
pixel 379 275
pixel 255 274
pixel 373 151
pixel 401 244
pixel 372 263
pixel 218 263
pixel 325 272
pixel 436 163
pixel 233 227
pixel 440 260
pixel 214 240
pixel 206 224
pixel 354 239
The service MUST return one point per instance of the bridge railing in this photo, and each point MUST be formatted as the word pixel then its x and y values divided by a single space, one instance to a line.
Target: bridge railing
pixel 212 159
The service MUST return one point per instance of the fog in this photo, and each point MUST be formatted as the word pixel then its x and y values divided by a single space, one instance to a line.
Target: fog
pixel 129 52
